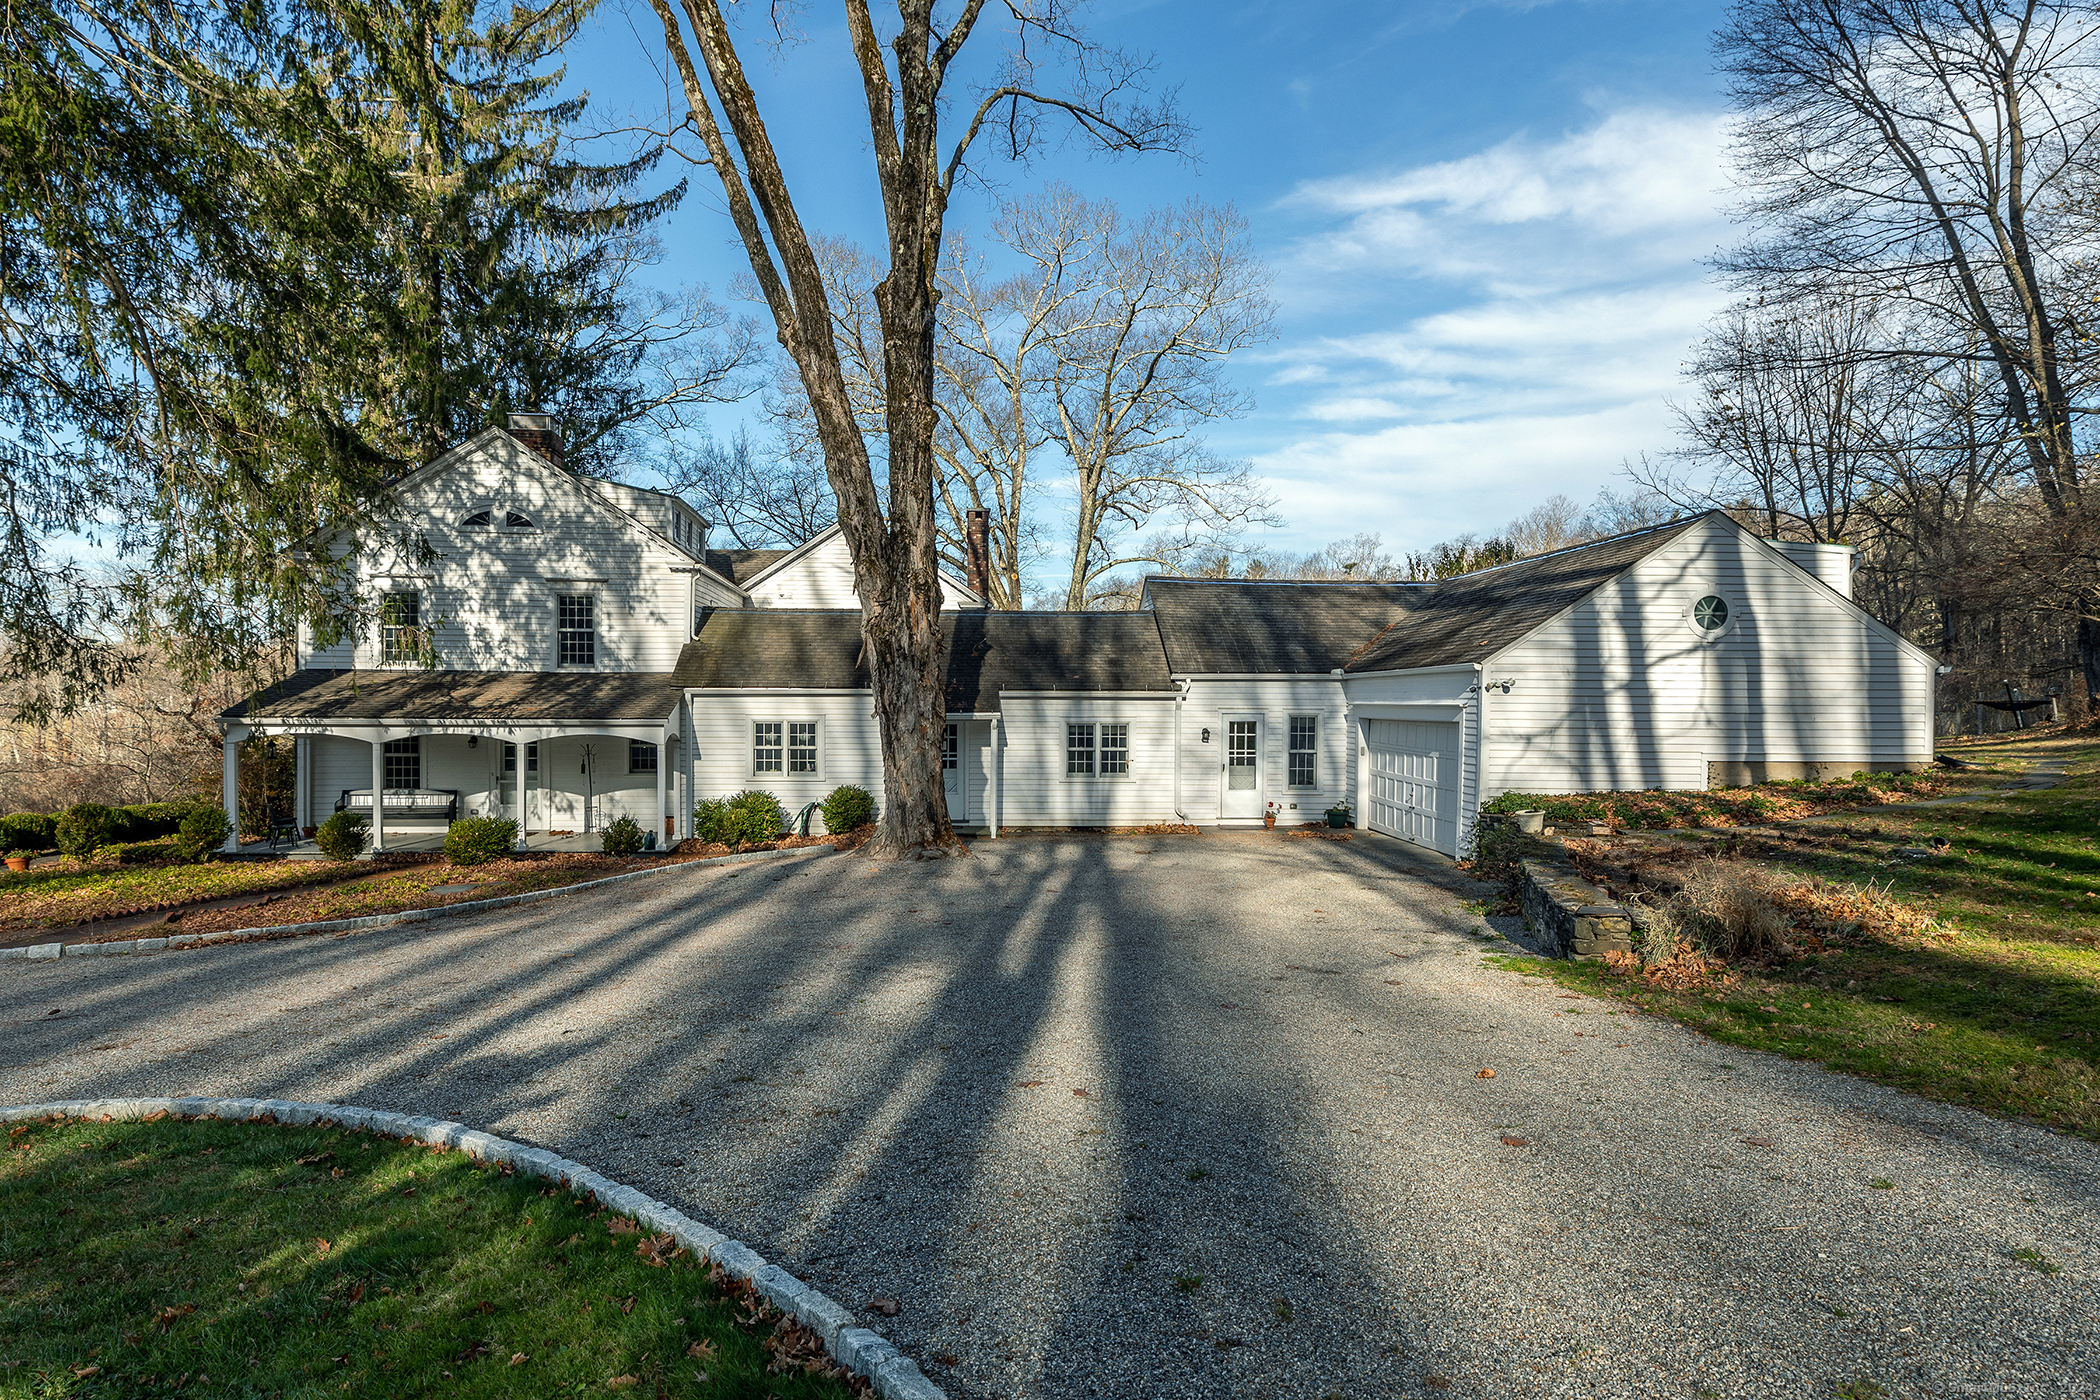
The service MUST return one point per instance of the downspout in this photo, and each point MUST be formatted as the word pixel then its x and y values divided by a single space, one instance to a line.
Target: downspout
pixel 1179 701
pixel 1480 754
pixel 998 765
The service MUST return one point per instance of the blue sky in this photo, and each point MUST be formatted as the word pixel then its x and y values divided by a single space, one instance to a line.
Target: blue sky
pixel 1486 222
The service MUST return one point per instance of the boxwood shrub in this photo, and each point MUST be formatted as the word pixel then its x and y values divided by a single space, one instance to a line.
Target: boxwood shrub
pixel 848 808
pixel 622 838
pixel 203 829
pixel 478 840
pixel 84 828
pixel 342 836
pixel 750 817
pixel 22 832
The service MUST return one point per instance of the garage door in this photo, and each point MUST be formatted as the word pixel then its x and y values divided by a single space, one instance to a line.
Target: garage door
pixel 1414 781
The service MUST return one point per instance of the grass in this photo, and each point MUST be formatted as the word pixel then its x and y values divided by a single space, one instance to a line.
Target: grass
pixel 246 1260
pixel 71 893
pixel 1981 988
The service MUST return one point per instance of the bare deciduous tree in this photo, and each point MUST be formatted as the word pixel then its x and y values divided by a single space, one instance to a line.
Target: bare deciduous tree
pixel 893 532
pixel 1929 154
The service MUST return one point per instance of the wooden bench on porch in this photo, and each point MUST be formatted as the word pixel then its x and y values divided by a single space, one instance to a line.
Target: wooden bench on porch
pixel 405 802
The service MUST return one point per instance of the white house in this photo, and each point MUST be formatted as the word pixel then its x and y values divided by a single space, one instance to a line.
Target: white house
pixel 571 651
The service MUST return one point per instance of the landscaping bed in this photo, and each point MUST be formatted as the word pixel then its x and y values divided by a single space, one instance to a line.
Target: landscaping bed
pixel 222 1258
pixel 1659 810
pixel 75 892
pixel 1952 951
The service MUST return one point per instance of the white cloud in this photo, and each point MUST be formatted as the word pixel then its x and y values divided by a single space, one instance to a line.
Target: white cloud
pixel 1493 329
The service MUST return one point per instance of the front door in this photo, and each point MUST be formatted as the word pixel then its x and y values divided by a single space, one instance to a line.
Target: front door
pixel 1244 794
pixel 507 789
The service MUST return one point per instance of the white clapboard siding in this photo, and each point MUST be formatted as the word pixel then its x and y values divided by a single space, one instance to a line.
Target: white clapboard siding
pixel 819 577
pixel 1624 691
pixel 1035 790
pixel 489 596
pixel 848 748
pixel 1276 699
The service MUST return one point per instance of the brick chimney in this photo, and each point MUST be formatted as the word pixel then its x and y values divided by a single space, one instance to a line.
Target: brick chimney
pixel 537 431
pixel 977 545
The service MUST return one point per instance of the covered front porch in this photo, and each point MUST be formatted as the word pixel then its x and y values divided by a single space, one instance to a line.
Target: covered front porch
pixel 440 746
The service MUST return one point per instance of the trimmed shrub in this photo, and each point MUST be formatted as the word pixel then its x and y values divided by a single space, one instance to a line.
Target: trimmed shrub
pixel 622 838
pixel 746 819
pixel 84 828
pixel 202 831
pixel 27 832
pixel 342 836
pixel 478 840
pixel 848 808
pixel 149 821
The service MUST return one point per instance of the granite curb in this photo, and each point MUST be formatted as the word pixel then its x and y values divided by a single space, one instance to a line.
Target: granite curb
pixel 894 1375
pixel 45 952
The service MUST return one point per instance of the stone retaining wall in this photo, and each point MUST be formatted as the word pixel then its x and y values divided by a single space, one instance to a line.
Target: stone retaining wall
pixel 1573 918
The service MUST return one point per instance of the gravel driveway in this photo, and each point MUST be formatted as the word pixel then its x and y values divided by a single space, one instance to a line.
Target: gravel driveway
pixel 1164 1116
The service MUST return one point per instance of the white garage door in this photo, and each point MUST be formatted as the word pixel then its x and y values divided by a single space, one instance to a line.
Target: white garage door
pixel 1414 781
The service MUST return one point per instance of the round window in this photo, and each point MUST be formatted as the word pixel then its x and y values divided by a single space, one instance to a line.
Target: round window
pixel 1710 613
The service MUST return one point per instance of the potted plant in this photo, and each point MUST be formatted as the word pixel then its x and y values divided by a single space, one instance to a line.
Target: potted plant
pixel 1339 815
pixel 1268 818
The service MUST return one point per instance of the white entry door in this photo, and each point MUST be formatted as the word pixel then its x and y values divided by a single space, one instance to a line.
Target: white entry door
pixel 1244 795
pixel 1414 781
pixel 951 770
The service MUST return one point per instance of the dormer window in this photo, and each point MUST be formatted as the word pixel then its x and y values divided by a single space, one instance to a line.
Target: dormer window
pixel 479 520
pixel 514 521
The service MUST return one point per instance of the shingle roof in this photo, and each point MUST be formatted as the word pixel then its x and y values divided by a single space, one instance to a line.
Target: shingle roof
pixel 1260 628
pixel 495 695
pixel 986 652
pixel 738 565
pixel 1468 617
pixel 1234 627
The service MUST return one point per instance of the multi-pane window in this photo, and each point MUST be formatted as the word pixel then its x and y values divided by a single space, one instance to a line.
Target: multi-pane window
pixel 516 520
pixel 641 757
pixel 576 616
pixel 401 629
pixel 951 748
pixel 766 748
pixel 1115 750
pixel 802 746
pixel 1242 753
pixel 1305 751
pixel 1101 750
pixel 1079 750
pixel 404 763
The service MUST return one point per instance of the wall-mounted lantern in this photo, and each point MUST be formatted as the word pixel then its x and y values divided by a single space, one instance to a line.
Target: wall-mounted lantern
pixel 1206 736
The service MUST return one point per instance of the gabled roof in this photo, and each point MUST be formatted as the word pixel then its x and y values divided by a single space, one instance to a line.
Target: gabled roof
pixel 739 566
pixel 985 653
pixel 1238 627
pixel 1473 615
pixel 496 695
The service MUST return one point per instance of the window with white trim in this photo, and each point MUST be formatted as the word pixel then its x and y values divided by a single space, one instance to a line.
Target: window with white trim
pixel 401 629
pixel 1097 750
pixel 951 747
pixel 641 756
pixel 1305 751
pixel 802 747
pixel 577 629
pixel 403 760
pixel 767 752
pixel 513 520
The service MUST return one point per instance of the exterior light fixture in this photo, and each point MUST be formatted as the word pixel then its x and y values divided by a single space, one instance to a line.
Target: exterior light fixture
pixel 1206 736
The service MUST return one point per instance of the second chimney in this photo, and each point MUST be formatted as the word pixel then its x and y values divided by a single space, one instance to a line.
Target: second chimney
pixel 537 431
pixel 977 544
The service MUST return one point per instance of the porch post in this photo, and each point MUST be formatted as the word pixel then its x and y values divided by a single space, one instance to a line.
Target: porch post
pixel 516 758
pixel 663 775
pixel 231 791
pixel 378 796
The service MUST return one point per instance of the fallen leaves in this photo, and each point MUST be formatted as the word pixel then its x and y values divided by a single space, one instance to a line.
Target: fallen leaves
pixel 1508 1141
pixel 321 1246
pixel 701 1351
pixel 658 1251
pixel 888 1307
pixel 167 1317
pixel 1032 1084
pixel 317 1157
pixel 1757 1142
pixel 621 1225
pixel 623 1382
pixel 1485 1074
pixel 518 1358
pixel 1918 1028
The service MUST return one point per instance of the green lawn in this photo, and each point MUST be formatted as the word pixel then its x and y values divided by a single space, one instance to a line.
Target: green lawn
pixel 246 1260
pixel 1995 1004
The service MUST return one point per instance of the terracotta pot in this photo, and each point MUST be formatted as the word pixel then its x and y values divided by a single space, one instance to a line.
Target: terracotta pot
pixel 1269 822
pixel 18 862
